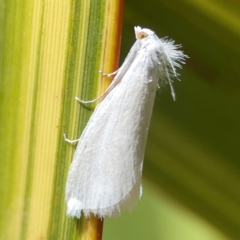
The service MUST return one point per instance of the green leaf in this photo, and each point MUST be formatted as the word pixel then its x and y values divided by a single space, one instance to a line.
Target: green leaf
pixel 51 53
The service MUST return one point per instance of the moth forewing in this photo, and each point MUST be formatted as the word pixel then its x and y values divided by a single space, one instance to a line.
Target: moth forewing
pixel 106 172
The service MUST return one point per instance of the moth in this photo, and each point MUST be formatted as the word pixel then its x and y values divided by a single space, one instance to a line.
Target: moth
pixel 105 176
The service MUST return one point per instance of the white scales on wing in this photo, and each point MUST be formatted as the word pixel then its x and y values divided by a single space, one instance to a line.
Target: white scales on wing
pixel 106 171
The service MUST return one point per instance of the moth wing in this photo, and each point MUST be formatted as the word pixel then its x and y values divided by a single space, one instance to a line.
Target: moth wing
pixel 105 175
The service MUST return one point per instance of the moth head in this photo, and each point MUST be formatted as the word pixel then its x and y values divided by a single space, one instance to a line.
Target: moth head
pixel 142 33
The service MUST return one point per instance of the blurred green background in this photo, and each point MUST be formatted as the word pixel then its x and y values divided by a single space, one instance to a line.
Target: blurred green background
pixel 191 171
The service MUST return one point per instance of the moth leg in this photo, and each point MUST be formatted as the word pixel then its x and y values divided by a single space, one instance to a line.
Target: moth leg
pixel 90 101
pixel 108 74
pixel 104 94
pixel 68 140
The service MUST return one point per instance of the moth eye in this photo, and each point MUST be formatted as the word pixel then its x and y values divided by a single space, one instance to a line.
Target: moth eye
pixel 141 35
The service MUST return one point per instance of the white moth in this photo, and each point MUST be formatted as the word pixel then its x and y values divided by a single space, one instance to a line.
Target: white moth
pixel 106 171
